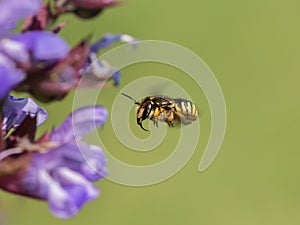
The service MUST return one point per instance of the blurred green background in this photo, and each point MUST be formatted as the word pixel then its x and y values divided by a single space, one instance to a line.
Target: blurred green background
pixel 253 49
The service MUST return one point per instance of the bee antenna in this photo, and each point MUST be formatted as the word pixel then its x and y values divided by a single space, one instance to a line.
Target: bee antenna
pixel 135 102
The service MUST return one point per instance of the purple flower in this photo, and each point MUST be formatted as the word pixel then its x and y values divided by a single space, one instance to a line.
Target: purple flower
pixel 29 51
pixel 12 56
pixel 15 111
pixel 57 167
pixel 110 39
pixel 11 11
pixel 39 52
pixel 97 72
pixel 43 45
pixel 79 68
pixel 9 78
pixel 14 51
pixel 60 168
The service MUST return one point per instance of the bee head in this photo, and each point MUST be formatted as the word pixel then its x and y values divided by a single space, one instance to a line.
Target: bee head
pixel 144 109
pixel 143 112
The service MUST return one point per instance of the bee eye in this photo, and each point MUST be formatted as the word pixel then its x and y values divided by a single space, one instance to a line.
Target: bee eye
pixel 149 106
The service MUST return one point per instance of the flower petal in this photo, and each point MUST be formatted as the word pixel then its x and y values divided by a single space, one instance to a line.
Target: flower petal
pixel 56 176
pixel 94 166
pixel 16 109
pixel 79 123
pixel 110 39
pixel 44 45
pixel 60 202
pixel 99 71
pixel 13 10
pixel 69 178
pixel 63 172
pixel 85 159
pixel 117 78
pixel 14 50
pixel 9 78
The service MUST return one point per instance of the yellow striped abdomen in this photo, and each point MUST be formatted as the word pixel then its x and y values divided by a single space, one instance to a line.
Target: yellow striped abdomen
pixel 185 110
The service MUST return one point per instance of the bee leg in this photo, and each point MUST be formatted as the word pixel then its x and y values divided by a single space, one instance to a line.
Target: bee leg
pixel 170 120
pixel 155 122
pixel 170 123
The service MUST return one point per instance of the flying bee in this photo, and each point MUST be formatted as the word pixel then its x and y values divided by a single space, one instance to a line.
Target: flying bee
pixel 166 109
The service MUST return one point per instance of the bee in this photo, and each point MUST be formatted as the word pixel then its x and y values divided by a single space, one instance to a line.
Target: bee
pixel 166 109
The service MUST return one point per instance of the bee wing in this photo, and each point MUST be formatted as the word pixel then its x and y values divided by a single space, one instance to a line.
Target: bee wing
pixel 159 88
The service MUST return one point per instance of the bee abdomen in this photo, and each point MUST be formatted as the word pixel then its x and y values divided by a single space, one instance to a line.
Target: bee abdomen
pixel 186 108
